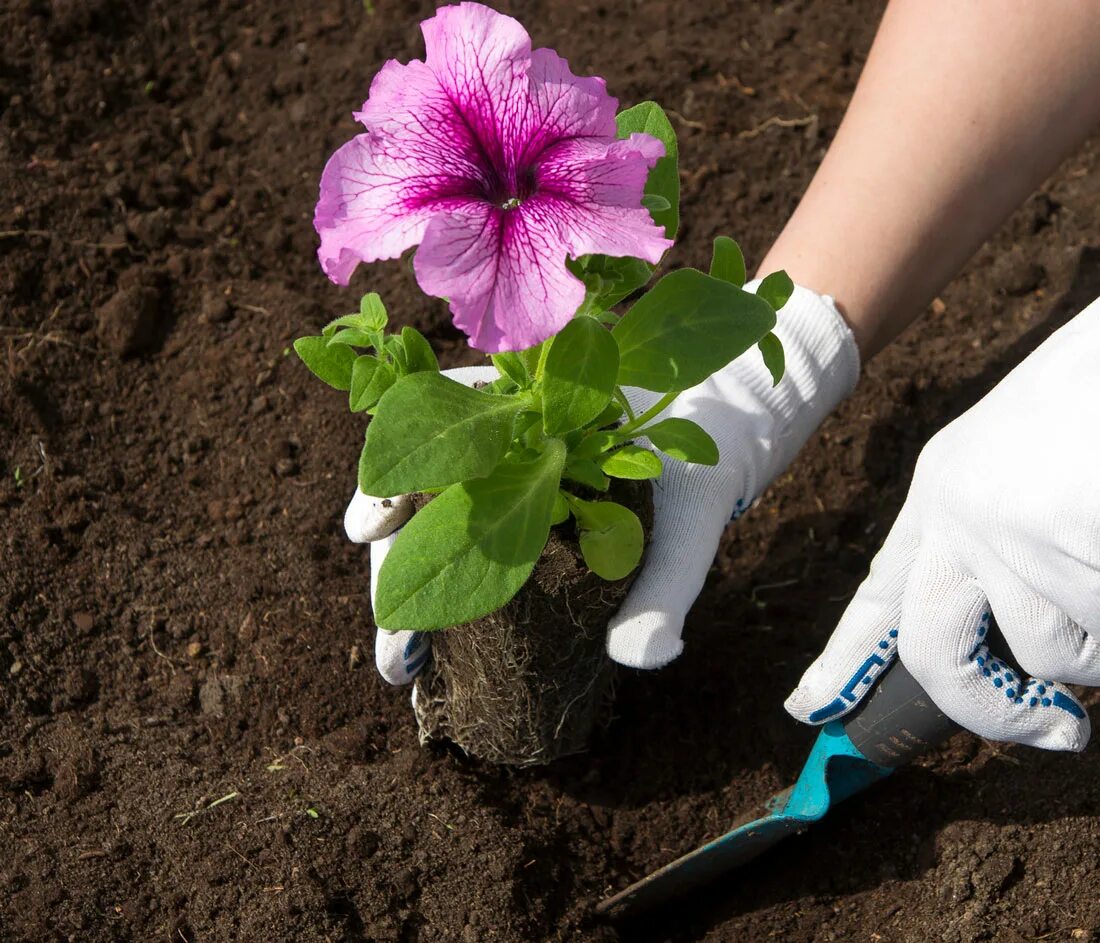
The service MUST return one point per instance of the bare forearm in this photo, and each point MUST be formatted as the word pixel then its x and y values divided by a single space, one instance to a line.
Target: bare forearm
pixel 962 110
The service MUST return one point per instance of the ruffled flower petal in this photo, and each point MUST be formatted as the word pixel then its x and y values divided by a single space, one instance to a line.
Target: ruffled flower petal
pixel 597 189
pixel 500 163
pixel 503 272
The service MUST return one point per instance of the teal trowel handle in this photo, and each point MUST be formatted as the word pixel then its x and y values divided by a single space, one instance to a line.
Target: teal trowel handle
pixel 898 722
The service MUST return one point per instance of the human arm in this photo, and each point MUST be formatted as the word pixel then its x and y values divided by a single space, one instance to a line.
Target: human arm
pixel 962 110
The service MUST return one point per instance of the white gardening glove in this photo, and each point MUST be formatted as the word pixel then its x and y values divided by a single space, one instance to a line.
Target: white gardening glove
pixel 1003 515
pixel 759 428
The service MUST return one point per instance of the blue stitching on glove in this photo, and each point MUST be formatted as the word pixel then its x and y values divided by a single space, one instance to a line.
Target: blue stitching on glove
pixel 886 651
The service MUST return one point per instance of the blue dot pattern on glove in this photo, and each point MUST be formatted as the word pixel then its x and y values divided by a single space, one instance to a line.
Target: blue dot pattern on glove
pixel 1028 694
pixel 417 651
pixel 861 681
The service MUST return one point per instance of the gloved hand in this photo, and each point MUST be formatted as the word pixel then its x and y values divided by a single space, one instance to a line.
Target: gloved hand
pixel 759 430
pixel 1003 512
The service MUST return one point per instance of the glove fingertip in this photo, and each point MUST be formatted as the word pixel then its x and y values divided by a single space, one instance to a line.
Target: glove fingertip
pixel 645 642
pixel 369 519
pixel 401 656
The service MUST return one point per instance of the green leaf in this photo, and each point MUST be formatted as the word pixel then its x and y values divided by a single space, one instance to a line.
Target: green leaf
pixel 419 355
pixel 511 365
pixel 394 345
pixel 772 350
pixel 347 320
pixel 776 289
pixel 591 445
pixel 531 357
pixel 372 312
pixel 608 280
pixel 684 440
pixel 664 178
pixel 351 336
pixel 685 328
pixel 370 378
pixel 471 549
pixel 579 375
pixel 430 431
pixel 331 364
pixel 631 461
pixel 727 262
pixel 587 473
pixel 613 412
pixel 561 510
pixel 611 537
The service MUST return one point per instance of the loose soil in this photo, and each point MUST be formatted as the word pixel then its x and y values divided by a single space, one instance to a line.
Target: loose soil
pixel 194 746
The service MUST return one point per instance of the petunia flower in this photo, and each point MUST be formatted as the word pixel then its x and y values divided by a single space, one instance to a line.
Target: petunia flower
pixel 499 163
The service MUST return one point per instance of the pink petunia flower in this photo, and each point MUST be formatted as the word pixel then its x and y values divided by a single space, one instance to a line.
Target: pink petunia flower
pixel 499 163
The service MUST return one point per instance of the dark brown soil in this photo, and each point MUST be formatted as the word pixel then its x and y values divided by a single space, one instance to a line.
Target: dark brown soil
pixel 184 624
pixel 527 684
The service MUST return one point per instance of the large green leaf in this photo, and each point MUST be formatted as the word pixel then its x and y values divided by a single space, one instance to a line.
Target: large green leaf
pixel 331 364
pixel 664 179
pixel 471 549
pixel 682 439
pixel 685 328
pixel 612 538
pixel 430 431
pixel 579 375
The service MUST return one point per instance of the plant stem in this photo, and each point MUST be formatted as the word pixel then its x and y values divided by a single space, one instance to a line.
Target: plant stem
pixel 541 366
pixel 621 399
pixel 629 428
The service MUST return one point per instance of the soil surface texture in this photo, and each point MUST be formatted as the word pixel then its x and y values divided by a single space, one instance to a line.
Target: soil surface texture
pixel 193 743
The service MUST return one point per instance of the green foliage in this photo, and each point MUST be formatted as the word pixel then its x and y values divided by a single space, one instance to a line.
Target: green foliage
pixel 774 359
pixel 470 549
pixel 684 440
pixel 370 378
pixel 611 537
pixel 685 328
pixel 538 446
pixel 419 356
pixel 579 375
pixel 630 461
pixel 513 366
pixel 776 289
pixel 727 262
pixel 331 364
pixel 429 431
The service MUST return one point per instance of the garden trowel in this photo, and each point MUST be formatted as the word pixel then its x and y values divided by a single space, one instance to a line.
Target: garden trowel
pixel 897 723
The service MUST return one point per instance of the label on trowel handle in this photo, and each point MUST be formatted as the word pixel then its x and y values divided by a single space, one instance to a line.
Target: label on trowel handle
pixel 898 722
